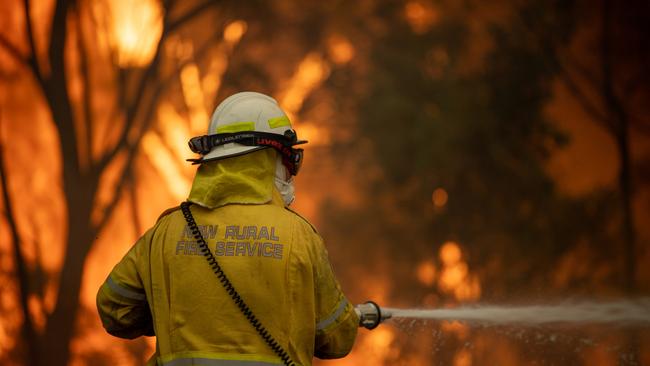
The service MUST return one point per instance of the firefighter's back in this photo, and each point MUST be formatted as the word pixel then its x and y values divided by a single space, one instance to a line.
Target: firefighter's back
pixel 275 260
pixel 267 253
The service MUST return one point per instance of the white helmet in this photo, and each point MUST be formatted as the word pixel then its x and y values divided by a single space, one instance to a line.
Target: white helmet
pixel 246 122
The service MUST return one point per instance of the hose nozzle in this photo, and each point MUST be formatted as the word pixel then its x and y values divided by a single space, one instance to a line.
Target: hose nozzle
pixel 370 314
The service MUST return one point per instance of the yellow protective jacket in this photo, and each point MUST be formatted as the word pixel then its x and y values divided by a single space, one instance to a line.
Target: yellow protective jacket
pixel 274 258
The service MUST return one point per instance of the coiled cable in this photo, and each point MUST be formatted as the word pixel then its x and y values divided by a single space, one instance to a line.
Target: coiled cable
pixel 230 289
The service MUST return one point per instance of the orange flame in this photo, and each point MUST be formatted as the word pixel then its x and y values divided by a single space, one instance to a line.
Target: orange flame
pixel 166 166
pixel 426 273
pixel 341 51
pixel 194 97
pixel 312 70
pixel 234 31
pixel 455 277
pixel 134 30
pixel 439 197
pixel 420 16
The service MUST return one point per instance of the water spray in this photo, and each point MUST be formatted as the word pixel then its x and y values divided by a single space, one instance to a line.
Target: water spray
pixel 625 313
pixel 371 315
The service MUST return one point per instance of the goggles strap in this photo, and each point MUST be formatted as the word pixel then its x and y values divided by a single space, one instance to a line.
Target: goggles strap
pixel 291 157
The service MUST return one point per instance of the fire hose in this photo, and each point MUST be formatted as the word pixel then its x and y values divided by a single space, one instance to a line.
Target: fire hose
pixel 371 315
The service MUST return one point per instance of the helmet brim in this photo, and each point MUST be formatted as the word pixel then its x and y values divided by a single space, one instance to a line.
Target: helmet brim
pixel 225 151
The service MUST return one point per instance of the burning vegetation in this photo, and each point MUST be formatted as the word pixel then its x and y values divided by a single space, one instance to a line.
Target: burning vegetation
pixel 459 153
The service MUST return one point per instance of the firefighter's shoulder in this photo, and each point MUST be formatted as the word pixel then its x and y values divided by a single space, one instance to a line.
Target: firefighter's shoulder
pixel 167 212
pixel 302 219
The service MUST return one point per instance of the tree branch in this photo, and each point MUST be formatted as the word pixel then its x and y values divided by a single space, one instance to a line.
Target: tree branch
pixel 33 60
pixel 582 98
pixel 565 76
pixel 131 148
pixel 58 97
pixel 583 70
pixel 131 112
pixel 119 77
pixel 130 158
pixel 21 271
pixel 137 225
pixel 58 33
pixel 87 89
pixel 132 108
pixel 168 4
pixel 13 51
pixel 189 15
pixel 621 124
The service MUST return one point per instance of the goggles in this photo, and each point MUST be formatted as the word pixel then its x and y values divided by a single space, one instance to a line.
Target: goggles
pixel 291 157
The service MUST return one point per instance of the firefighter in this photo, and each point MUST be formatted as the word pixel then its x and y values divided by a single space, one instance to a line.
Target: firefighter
pixel 233 276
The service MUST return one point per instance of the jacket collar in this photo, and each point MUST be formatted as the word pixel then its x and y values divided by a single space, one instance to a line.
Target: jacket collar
pixel 246 179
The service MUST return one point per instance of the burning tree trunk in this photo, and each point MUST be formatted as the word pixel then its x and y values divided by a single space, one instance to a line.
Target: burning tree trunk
pixel 81 175
pixel 603 95
pixel 54 343
pixel 28 331
pixel 620 126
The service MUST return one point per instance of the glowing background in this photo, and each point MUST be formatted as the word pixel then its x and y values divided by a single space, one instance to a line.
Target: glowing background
pixel 320 62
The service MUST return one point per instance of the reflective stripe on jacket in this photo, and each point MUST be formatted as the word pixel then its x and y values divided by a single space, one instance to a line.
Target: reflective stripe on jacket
pixel 275 260
pixel 214 362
